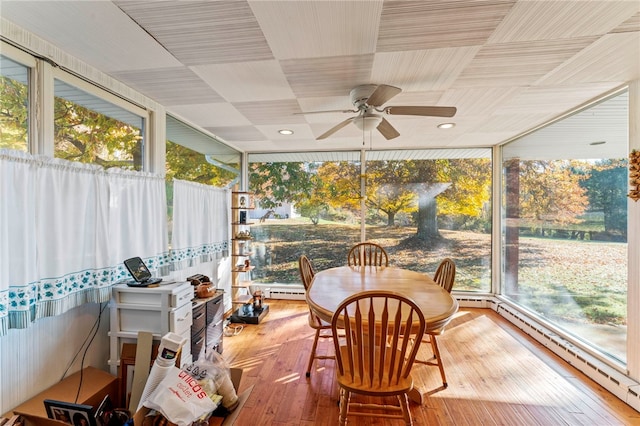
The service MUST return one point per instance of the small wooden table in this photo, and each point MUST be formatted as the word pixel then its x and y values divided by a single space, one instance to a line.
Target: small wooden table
pixel 331 286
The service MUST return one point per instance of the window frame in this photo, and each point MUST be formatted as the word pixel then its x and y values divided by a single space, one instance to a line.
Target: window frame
pixel 31 63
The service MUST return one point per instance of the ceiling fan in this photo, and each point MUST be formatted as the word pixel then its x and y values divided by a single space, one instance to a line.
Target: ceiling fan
pixel 368 100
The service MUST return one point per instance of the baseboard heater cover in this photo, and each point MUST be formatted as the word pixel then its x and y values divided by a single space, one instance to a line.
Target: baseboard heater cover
pixel 284 292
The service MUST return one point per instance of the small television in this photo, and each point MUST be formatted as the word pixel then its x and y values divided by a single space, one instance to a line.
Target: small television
pixel 140 273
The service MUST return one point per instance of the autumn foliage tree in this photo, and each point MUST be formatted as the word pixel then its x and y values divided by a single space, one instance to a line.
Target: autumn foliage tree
pixel 550 192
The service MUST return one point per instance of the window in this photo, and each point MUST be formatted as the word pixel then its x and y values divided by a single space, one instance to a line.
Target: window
pixel 194 156
pixel 91 129
pixel 14 104
pixel 197 157
pixel 421 205
pixel 565 247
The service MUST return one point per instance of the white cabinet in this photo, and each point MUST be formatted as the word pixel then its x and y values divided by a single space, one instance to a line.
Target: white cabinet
pixel 157 310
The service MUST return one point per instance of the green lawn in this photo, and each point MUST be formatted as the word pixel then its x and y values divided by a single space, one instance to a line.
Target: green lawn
pixel 568 280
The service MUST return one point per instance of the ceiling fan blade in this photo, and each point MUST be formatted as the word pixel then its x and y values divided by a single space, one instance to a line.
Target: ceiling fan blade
pixel 334 129
pixel 430 111
pixel 382 94
pixel 387 130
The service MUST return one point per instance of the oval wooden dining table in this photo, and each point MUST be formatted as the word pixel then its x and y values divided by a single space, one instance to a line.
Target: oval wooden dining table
pixel 331 286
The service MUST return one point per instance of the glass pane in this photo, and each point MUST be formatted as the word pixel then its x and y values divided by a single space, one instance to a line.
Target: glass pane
pixel 304 207
pixel 218 166
pixel 14 105
pixel 89 129
pixel 424 210
pixel 313 207
pixel 565 211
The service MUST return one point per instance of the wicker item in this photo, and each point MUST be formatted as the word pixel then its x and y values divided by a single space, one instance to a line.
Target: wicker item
pixel 634 175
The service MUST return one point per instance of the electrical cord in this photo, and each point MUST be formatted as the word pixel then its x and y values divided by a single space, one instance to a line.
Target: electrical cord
pixel 92 334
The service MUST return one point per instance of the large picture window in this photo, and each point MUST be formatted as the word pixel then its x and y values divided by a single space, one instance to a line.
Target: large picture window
pixel 565 247
pixel 422 206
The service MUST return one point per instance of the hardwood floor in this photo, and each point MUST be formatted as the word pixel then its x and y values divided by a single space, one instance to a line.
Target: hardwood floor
pixel 496 374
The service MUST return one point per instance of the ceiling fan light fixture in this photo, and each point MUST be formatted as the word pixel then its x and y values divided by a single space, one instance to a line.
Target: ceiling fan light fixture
pixel 367 122
pixel 446 125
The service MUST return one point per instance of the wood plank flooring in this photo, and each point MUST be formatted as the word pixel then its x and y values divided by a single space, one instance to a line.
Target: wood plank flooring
pixel 496 374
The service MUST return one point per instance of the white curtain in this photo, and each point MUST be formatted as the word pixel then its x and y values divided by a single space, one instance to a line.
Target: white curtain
pixel 66 228
pixel 200 223
pixel 138 220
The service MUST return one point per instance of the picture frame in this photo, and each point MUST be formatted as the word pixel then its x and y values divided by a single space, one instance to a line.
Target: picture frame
pixel 104 411
pixel 70 413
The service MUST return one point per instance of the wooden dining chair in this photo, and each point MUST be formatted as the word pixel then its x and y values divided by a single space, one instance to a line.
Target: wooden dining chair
pixel 322 328
pixel 445 276
pixel 367 253
pixel 374 357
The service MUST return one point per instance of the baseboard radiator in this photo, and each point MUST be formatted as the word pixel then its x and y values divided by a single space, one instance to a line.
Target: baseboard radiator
pixel 285 292
pixel 623 387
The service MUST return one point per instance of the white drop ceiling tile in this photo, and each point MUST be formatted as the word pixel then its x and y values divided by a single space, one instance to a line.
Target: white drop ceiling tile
pixel 631 24
pixel 329 119
pixel 477 100
pixel 417 98
pixel 299 131
pixel 518 64
pixel 411 25
pixel 325 103
pixel 330 76
pixel 202 32
pixel 86 30
pixel 544 20
pixel 424 70
pixel 170 86
pixel 428 126
pixel 237 133
pixel 311 29
pixel 614 58
pixel 269 112
pixel 211 115
pixel 246 81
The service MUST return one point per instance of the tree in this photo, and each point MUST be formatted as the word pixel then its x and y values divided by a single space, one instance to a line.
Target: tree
pixel 275 183
pixel 186 164
pixel 14 127
pixel 387 190
pixel 550 191
pixel 90 137
pixel 606 188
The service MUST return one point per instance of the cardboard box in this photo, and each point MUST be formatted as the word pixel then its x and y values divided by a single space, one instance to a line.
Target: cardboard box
pixel 30 420
pixel 236 375
pixel 96 384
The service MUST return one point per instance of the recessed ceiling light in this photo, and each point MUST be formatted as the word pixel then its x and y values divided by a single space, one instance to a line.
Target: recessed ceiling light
pixel 446 125
pixel 598 143
pixel 285 132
